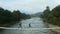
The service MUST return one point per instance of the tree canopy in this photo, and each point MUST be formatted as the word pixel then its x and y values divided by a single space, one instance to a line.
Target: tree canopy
pixel 52 16
pixel 7 17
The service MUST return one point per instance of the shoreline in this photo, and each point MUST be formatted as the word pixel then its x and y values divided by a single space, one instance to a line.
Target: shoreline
pixel 53 31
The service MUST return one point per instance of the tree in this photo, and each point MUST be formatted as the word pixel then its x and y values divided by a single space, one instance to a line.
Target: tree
pixel 52 16
pixel 46 12
pixel 7 17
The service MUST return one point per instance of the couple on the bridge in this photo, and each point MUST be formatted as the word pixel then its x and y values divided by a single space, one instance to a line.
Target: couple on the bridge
pixel 20 25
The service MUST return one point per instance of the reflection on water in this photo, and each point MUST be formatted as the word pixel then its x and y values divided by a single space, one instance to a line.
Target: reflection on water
pixel 35 23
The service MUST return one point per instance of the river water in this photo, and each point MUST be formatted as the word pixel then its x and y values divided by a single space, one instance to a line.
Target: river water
pixel 35 22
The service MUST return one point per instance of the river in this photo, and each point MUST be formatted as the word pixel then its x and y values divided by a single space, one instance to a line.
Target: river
pixel 35 22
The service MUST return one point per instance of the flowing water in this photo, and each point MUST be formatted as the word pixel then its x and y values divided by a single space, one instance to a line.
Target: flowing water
pixel 35 22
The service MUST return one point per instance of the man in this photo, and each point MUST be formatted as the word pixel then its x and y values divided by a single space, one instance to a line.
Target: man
pixel 29 24
pixel 20 25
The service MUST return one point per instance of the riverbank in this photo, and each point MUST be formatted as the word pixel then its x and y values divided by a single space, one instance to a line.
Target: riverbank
pixel 8 25
pixel 54 31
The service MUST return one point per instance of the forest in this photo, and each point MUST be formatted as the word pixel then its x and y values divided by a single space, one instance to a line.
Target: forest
pixel 8 17
pixel 51 16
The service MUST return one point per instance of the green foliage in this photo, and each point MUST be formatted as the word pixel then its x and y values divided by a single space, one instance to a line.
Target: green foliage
pixel 7 17
pixel 46 13
pixel 53 16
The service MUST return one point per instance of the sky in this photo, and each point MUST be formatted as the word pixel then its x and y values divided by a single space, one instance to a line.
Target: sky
pixel 28 6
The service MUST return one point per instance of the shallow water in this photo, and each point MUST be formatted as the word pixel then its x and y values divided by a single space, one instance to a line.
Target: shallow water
pixel 36 22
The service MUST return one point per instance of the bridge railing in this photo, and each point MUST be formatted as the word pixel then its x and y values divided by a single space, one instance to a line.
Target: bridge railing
pixel 54 28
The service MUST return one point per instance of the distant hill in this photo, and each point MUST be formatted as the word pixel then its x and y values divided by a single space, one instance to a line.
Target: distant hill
pixel 37 14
